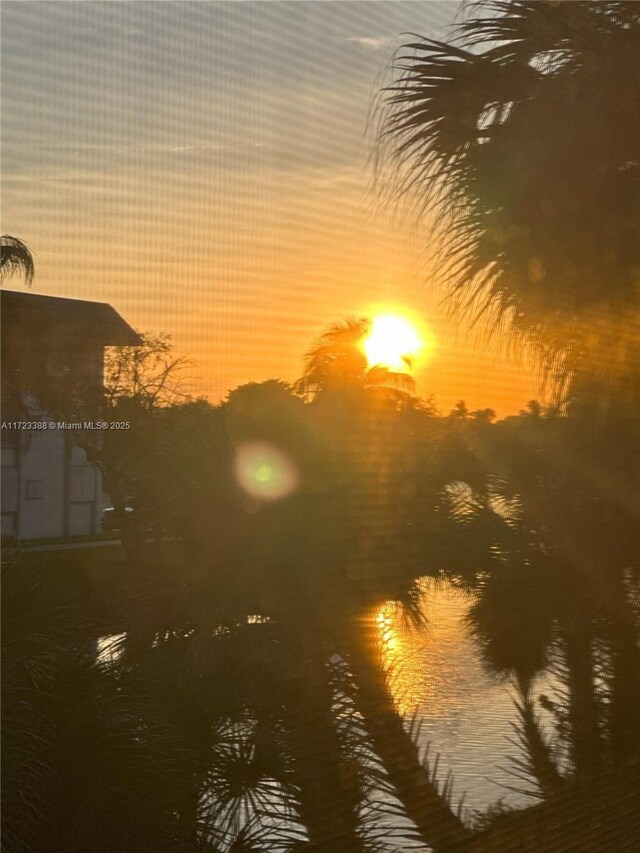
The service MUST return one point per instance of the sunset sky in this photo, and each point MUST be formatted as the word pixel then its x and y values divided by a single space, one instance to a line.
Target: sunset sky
pixel 203 167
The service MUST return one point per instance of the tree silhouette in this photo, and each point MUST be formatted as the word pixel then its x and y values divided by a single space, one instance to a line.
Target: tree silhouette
pixel 89 762
pixel 570 555
pixel 506 132
pixel 313 568
pixel 15 257
pixel 337 361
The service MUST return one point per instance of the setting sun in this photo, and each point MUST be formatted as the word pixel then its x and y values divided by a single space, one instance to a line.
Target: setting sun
pixel 392 342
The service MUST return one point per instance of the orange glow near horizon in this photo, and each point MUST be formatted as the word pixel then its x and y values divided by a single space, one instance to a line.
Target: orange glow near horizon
pixel 275 234
pixel 393 342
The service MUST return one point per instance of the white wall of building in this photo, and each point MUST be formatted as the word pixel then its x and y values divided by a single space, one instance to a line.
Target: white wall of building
pixel 50 490
pixel 10 491
pixel 41 480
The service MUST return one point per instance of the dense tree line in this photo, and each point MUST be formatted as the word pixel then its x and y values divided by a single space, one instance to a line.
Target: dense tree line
pixel 248 644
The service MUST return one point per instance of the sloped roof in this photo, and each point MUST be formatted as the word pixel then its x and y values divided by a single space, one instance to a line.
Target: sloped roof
pixel 32 313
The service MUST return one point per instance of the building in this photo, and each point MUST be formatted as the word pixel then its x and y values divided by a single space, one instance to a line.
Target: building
pixel 52 378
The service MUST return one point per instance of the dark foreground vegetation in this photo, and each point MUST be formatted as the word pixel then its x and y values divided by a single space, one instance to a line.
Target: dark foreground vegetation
pixel 249 706
pixel 245 707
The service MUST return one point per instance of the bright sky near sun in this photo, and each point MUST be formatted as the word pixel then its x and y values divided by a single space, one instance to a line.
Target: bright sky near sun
pixel 203 167
pixel 394 342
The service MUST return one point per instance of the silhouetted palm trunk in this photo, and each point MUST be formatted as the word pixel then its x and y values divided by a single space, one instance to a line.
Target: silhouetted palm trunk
pixel 328 796
pixel 440 828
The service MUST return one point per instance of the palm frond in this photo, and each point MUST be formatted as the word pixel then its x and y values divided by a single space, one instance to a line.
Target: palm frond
pixel 503 132
pixel 15 257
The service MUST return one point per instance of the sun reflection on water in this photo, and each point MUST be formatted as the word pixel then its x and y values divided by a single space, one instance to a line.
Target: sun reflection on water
pixel 436 675
pixel 435 669
pixel 401 645
pixel 386 631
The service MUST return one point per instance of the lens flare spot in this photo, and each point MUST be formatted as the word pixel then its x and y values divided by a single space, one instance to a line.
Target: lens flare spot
pixel 264 471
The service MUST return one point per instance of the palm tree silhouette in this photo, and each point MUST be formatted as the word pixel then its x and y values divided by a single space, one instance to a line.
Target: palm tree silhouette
pixel 103 769
pixel 568 547
pixel 337 361
pixel 506 132
pixel 15 257
pixel 316 565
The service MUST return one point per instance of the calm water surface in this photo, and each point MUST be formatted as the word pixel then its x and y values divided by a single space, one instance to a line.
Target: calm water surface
pixel 466 716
